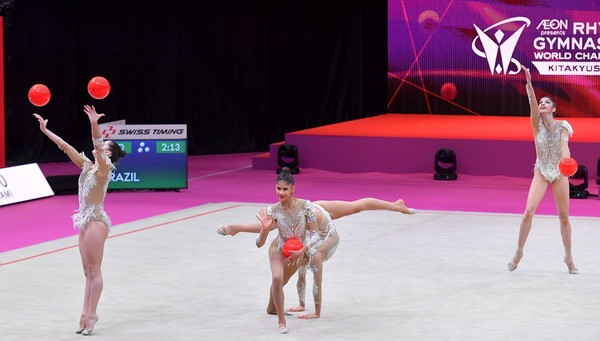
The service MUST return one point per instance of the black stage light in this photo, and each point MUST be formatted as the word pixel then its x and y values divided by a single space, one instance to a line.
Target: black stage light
pixel 598 179
pixel 598 173
pixel 445 165
pixel 287 156
pixel 579 190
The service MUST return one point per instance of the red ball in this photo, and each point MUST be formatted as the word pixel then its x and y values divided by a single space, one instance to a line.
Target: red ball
pixel 39 95
pixel 568 166
pixel 98 87
pixel 448 91
pixel 291 244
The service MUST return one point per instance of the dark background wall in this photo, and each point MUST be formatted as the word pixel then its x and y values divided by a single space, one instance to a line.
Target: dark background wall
pixel 239 73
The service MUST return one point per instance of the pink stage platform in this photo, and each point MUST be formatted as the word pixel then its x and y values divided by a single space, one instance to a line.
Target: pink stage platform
pixel 407 143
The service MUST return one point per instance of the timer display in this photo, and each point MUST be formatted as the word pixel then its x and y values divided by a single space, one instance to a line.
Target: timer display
pixel 170 147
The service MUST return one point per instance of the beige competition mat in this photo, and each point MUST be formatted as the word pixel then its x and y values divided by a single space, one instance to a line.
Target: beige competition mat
pixel 431 276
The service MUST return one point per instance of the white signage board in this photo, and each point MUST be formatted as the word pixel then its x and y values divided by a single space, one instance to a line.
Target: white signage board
pixel 22 183
pixel 144 132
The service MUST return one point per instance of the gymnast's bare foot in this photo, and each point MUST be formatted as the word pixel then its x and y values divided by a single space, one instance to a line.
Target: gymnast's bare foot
pixel 282 329
pixel 512 265
pixel 403 209
pixel 309 316
pixel 82 321
pixel 295 309
pixel 273 312
pixel 571 265
pixel 226 230
pixel 89 326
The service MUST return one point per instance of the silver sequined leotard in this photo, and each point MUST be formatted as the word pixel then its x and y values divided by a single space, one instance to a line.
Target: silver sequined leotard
pixel 547 145
pixel 328 242
pixel 293 224
pixel 328 236
pixel 92 190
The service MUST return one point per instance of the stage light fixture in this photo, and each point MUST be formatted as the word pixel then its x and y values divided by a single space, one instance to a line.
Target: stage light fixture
pixel 287 156
pixel 445 165
pixel 579 189
pixel 598 178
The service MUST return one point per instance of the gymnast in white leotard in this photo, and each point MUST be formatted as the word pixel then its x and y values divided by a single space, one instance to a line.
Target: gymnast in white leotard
pixel 329 239
pixel 90 218
pixel 551 138
pixel 320 251
pixel 548 142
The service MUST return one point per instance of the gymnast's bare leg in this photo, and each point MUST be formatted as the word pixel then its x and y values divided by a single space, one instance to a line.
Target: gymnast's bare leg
pixel 560 189
pixel 339 208
pixel 537 189
pixel 301 288
pixel 232 230
pixel 287 274
pixel 91 249
pixel 336 208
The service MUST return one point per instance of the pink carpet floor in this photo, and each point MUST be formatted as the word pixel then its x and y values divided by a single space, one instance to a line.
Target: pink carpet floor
pixel 230 178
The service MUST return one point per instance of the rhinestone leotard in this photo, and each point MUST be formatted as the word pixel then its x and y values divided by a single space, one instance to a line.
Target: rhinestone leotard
pixel 92 190
pixel 547 145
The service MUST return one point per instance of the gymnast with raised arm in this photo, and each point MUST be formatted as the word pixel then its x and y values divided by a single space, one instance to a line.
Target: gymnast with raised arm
pixel 91 219
pixel 551 139
pixel 325 211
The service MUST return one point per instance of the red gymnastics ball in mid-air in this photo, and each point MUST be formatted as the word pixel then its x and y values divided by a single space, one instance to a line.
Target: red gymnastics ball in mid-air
pixel 568 166
pixel 290 245
pixel 39 95
pixel 449 91
pixel 98 87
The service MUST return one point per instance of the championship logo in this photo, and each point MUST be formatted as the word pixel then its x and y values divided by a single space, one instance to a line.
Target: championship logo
pixel 498 47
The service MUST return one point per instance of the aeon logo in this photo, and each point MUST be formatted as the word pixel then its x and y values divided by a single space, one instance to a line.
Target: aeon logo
pixel 553 24
pixel 500 46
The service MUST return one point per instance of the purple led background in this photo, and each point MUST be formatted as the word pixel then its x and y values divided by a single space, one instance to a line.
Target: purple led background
pixel 433 67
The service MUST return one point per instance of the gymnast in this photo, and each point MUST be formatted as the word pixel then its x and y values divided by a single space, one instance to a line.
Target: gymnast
pixel 91 219
pixel 325 212
pixel 551 138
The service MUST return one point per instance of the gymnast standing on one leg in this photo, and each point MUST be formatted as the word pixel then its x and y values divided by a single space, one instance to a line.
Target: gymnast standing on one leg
pixel 91 219
pixel 321 251
pixel 329 240
pixel 551 138
pixel 293 218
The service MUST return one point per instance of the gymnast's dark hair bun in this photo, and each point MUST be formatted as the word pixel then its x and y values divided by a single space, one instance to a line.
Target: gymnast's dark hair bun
pixel 285 175
pixel 116 153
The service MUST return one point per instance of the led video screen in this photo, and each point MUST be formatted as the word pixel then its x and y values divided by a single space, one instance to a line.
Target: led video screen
pixel 461 57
